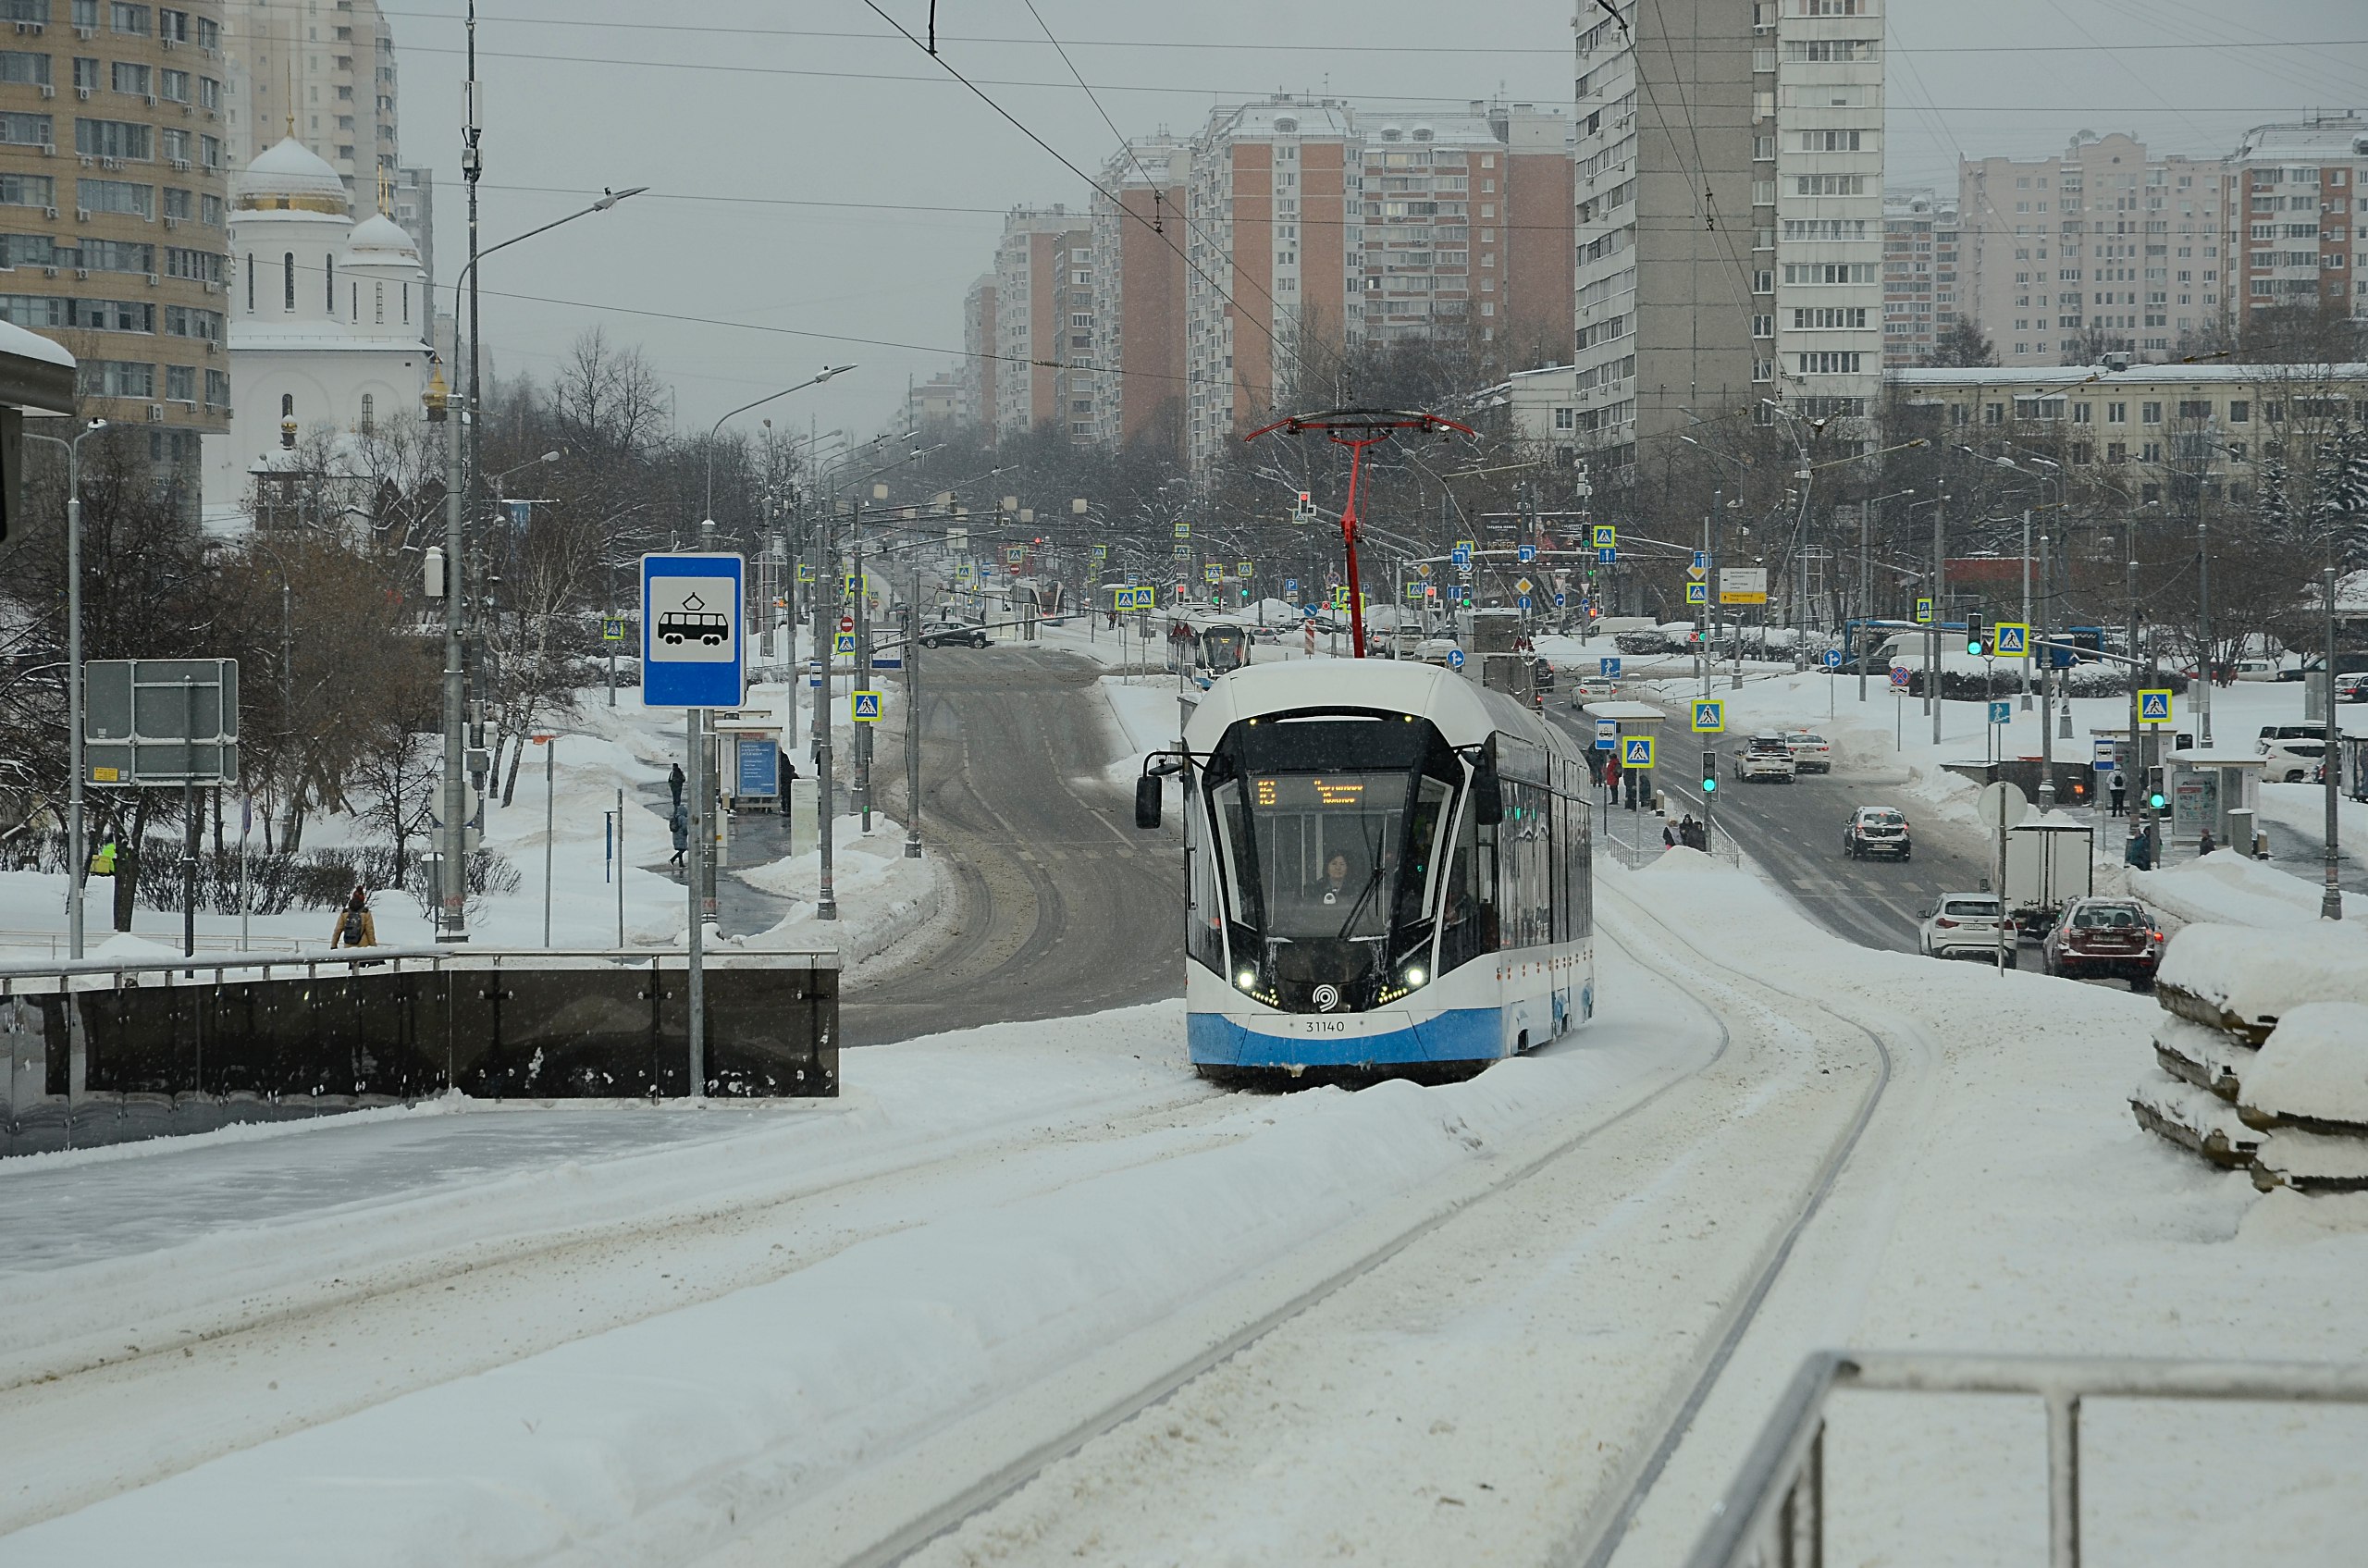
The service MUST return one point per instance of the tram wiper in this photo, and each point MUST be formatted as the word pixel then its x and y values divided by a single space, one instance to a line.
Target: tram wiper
pixel 1358 908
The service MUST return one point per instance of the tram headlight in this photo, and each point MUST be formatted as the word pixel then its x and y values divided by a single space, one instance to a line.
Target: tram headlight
pixel 1247 980
pixel 1414 976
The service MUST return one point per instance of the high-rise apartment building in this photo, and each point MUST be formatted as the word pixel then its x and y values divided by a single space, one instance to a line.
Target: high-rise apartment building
pixel 2298 216
pixel 1044 320
pixel 1920 258
pixel 113 216
pixel 414 209
pixel 1321 227
pixel 324 72
pixel 1139 245
pixel 2107 246
pixel 1728 208
pixel 981 342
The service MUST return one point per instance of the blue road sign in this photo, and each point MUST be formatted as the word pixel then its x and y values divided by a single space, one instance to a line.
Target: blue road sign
pixel 1560 601
pixel 1607 733
pixel 2100 755
pixel 1636 752
pixel 1521 603
pixel 1609 666
pixel 692 653
pixel 1833 659
pixel 2002 712
pixel 1290 584
pixel 1462 558
pixel 1455 659
pixel 1525 553
pixel 2154 707
pixel 1307 611
pixel 865 706
pixel 760 767
pixel 1606 557
pixel 1702 559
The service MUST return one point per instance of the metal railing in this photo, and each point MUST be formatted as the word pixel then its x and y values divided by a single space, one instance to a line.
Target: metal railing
pixel 1772 1514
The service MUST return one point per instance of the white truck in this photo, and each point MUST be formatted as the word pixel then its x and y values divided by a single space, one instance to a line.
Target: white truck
pixel 2050 861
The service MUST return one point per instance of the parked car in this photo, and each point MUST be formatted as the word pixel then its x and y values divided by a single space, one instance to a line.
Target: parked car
pixel 1766 758
pixel 952 633
pixel 2294 761
pixel 1593 689
pixel 2112 938
pixel 1965 922
pixel 2352 687
pixel 2271 734
pixel 1877 830
pixel 2345 664
pixel 1811 753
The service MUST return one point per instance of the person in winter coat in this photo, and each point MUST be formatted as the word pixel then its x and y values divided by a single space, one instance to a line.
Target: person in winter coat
pixel 1669 836
pixel 2203 843
pixel 2120 790
pixel 680 825
pixel 675 784
pixel 2138 853
pixel 354 926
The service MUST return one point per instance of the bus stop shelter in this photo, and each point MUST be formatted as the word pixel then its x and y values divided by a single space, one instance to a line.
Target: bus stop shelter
pixel 2212 787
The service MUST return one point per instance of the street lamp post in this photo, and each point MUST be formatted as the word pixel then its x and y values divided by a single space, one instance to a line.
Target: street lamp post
pixel 2331 895
pixel 77 862
pixel 707 512
pixel 451 923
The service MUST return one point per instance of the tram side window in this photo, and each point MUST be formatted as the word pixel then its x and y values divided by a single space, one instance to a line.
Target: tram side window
pixel 1526 900
pixel 1469 907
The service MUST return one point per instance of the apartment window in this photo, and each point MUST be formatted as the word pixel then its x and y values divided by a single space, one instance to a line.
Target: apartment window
pixel 209 91
pixel 2194 409
pixel 2081 411
pixel 173 145
pixel 127 76
pixel 1764 326
pixel 1829 362
pixel 2149 414
pixel 28 191
pixel 218 384
pixel 115 196
pixel 173 86
pixel 24 131
pixel 181 382
pixel 2116 414
pixel 1993 413
pixel 2116 452
pixel 173 25
pixel 118 378
pixel 127 18
pixel 1836 140
pixel 20 68
pixel 24 10
pixel 183 321
pixel 112 139
pixel 2240 411
pixel 1827 318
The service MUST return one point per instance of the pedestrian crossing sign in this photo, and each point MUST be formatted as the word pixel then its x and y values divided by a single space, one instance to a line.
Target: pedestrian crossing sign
pixel 805 571
pixel 1183 530
pixel 1636 752
pixel 1607 536
pixel 1212 573
pixel 842 644
pixel 1697 593
pixel 2154 707
pixel 866 706
pixel 612 629
pixel 1923 612
pixel 1709 716
pixel 2014 639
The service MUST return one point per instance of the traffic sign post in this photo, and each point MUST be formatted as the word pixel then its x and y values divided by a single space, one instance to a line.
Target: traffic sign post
pixel 1609 666
pixel 1636 751
pixel 694 657
pixel 863 707
pixel 1607 735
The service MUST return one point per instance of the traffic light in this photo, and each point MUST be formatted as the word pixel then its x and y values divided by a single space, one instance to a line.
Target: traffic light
pixel 1710 772
pixel 1973 633
pixel 2156 800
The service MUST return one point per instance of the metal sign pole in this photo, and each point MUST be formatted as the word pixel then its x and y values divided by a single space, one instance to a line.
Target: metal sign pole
pixel 620 868
pixel 695 886
pixel 550 820
pixel 189 818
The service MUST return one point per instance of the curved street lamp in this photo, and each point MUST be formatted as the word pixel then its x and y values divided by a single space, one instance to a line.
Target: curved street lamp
pixel 707 512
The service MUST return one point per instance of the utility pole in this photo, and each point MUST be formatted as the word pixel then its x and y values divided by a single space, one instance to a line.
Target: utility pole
pixel 1710 653
pixel 2204 624
pixel 1940 593
pixel 2331 896
pixel 1866 594
pixel 826 570
pixel 2025 704
pixel 862 671
pixel 2137 673
pixel 913 712
pixel 2046 702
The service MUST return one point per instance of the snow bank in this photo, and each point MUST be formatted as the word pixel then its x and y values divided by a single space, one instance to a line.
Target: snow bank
pixel 2315 1067
pixel 2242 979
pixel 790 1385
pixel 883 896
pixel 2230 889
pixel 2312 1162
pixel 2193 1119
pixel 2205 1056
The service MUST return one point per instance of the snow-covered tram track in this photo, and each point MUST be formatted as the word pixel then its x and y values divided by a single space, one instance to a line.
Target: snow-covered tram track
pixel 966 1528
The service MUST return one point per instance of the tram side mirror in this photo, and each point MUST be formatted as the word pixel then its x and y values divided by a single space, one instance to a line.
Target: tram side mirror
pixel 1487 797
pixel 1146 802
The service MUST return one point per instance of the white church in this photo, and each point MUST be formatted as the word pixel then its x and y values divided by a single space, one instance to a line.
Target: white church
pixel 329 323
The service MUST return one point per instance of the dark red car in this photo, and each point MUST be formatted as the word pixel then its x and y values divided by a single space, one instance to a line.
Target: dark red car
pixel 2105 938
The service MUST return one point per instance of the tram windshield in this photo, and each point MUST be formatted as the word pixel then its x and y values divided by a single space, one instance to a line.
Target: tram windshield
pixel 1225 647
pixel 1330 830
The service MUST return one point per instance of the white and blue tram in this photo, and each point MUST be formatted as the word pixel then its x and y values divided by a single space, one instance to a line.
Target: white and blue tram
pixel 1388 873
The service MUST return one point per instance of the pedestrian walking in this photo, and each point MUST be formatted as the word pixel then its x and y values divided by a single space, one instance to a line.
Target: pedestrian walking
pixel 2204 844
pixel 1669 835
pixel 2120 792
pixel 675 784
pixel 354 926
pixel 680 823
pixel 1692 833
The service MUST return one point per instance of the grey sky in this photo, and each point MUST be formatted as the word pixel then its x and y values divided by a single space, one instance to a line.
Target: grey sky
pixel 735 126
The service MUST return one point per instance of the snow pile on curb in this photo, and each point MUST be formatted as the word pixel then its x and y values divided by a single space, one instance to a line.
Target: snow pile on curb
pixel 2227 888
pixel 883 897
pixel 2269 1035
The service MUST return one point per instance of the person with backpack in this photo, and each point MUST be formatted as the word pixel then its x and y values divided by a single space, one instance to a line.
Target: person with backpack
pixel 354 926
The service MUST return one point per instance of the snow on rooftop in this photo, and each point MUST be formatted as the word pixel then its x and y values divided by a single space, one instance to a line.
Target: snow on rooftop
pixel 15 339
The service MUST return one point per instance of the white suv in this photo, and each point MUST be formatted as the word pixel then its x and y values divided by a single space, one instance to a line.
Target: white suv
pixel 1965 922
pixel 1767 757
